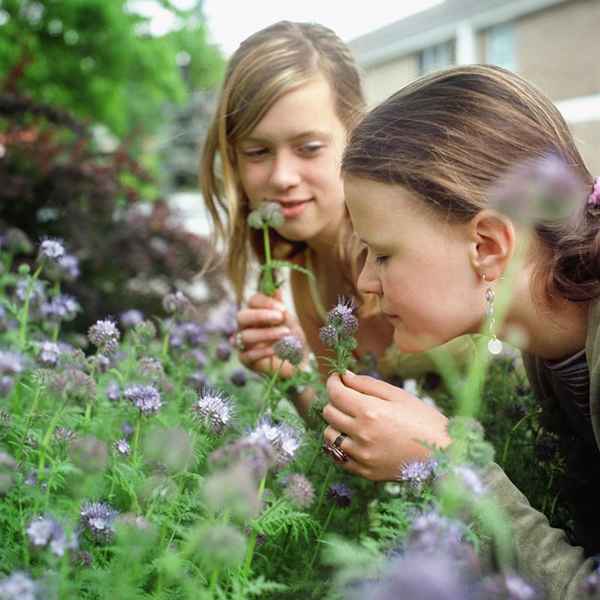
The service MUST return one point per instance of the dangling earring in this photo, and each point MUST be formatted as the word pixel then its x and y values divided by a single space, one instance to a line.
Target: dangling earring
pixel 494 345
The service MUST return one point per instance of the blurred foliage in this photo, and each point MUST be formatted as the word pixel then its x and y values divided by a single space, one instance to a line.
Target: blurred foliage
pixel 55 183
pixel 98 60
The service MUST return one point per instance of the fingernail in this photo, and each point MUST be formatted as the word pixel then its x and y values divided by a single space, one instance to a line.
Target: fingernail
pixel 349 373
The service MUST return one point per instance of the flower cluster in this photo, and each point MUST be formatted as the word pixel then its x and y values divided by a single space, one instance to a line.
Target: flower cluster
pixel 146 398
pixel 97 518
pixel 283 438
pixel 47 532
pixel 214 410
pixel 338 333
pixel 105 335
pixel 268 214
pixel 299 490
pixel 289 348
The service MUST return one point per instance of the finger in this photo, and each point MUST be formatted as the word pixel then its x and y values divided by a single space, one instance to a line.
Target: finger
pixel 257 317
pixel 346 399
pixel 370 386
pixel 263 301
pixel 348 445
pixel 262 335
pixel 255 354
pixel 338 419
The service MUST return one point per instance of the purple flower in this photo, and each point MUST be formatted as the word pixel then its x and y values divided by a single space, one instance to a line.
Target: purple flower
pixel 105 336
pixel 131 318
pixel 146 398
pixel 342 318
pixel 11 363
pixel 239 378
pixel 418 473
pixel 175 303
pixel 214 410
pixel 340 494
pixel 223 351
pixel 299 490
pixel 6 385
pixel 122 447
pixel 289 348
pixel 199 358
pixel 328 335
pixel 113 391
pixel 51 250
pixel 37 293
pixel 69 266
pixel 60 308
pixel 127 429
pixel 187 333
pixel 283 438
pixel 18 586
pixel 46 531
pixel 197 380
pixel 431 533
pixel 97 519
pixel 49 353
pixel 545 189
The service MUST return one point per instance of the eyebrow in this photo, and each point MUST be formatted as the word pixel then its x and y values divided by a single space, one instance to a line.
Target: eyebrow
pixel 313 133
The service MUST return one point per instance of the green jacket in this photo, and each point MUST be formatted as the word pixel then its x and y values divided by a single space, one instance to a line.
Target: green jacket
pixel 543 552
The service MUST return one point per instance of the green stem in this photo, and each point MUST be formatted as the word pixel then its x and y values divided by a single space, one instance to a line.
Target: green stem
pixel 324 530
pixel 508 440
pixel 24 317
pixel 324 487
pixel 252 541
pixel 268 285
pixel 272 381
pixel 46 440
pixel 136 437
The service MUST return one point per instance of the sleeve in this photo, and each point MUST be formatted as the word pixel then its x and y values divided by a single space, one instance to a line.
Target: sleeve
pixel 543 553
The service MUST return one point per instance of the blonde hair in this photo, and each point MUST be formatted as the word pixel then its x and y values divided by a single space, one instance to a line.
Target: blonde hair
pixel 450 136
pixel 266 65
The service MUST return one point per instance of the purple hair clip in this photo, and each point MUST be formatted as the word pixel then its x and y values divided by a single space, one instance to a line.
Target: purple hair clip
pixel 594 197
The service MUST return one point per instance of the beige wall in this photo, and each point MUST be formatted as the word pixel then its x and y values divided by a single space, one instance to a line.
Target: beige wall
pixel 383 80
pixel 558 49
pixel 587 137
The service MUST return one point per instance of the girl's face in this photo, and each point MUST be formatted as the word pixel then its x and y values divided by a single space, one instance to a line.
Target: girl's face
pixel 417 265
pixel 293 157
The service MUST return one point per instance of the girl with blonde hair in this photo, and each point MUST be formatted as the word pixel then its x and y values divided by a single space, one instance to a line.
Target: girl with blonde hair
pixel 423 177
pixel 291 95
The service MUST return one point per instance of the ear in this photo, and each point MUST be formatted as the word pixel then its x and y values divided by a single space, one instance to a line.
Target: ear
pixel 492 243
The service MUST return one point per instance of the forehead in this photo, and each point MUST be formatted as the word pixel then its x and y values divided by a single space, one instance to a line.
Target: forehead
pixel 309 106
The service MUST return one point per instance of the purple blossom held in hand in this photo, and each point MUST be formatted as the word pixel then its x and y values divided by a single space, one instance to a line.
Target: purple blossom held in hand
pixel 105 335
pixel 289 348
pixel 340 494
pixel 98 520
pixel 328 335
pixel 214 410
pixel 341 316
pixel 146 398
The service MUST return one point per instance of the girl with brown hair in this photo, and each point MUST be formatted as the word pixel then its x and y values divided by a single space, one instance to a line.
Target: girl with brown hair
pixel 291 95
pixel 419 175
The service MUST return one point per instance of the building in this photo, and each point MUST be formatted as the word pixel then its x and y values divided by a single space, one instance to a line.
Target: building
pixel 553 43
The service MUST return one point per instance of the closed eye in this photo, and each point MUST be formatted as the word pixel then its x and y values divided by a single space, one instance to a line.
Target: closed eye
pixel 311 148
pixel 381 259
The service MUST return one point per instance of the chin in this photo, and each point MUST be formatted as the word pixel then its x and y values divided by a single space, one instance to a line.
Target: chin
pixel 413 345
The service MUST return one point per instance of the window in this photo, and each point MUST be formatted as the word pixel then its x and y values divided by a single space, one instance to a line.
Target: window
pixel 500 46
pixel 436 57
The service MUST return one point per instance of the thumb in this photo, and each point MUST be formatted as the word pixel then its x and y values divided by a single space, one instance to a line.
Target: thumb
pixel 370 386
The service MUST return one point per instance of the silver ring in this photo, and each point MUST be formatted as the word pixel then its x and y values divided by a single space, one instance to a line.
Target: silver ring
pixel 239 342
pixel 337 443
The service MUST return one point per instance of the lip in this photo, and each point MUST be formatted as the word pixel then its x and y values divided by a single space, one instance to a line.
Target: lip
pixel 390 317
pixel 293 208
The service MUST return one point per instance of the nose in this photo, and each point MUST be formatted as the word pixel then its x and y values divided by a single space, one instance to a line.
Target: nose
pixel 368 281
pixel 285 172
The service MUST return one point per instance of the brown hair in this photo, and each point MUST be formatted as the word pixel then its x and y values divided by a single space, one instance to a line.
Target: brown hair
pixel 267 65
pixel 450 136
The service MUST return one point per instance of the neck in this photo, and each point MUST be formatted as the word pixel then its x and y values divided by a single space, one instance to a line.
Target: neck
pixel 553 328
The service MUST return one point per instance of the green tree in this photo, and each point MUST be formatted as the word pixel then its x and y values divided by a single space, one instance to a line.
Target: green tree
pixel 99 59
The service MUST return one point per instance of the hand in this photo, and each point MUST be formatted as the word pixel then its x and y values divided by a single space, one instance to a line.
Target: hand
pixel 261 323
pixel 385 426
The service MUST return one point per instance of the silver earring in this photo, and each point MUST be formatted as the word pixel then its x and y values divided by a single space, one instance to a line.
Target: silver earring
pixel 494 345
